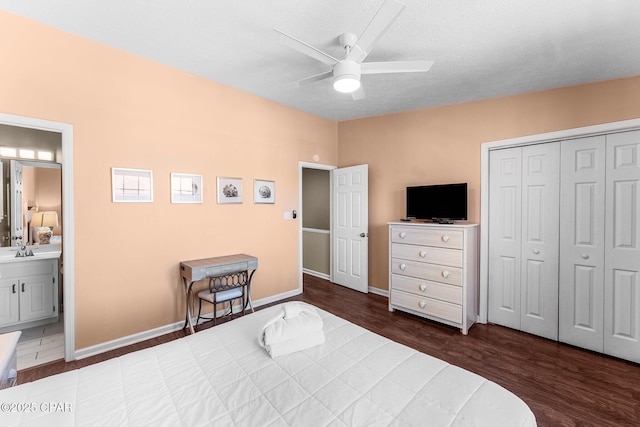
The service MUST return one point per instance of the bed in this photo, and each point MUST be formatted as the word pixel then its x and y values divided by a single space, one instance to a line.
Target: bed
pixel 221 376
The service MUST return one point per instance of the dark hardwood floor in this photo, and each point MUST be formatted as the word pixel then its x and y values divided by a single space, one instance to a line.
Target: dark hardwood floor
pixel 563 385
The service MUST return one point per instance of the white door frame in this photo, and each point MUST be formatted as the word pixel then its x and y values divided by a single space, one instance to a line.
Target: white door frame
pixel 306 165
pixel 68 236
pixel 580 132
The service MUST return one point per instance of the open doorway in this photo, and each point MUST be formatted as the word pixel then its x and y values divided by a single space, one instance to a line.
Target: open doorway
pixel 334 227
pixel 10 126
pixel 316 222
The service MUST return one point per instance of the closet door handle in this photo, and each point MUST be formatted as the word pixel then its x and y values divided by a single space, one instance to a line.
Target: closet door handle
pixel 23 287
pixel 403 267
pixel 14 288
pixel 584 256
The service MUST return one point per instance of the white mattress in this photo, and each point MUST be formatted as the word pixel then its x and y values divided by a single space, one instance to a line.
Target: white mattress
pixel 221 376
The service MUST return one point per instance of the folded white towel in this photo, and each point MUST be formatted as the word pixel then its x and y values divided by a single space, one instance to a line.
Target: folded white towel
pixel 295 327
pixel 311 339
pixel 283 328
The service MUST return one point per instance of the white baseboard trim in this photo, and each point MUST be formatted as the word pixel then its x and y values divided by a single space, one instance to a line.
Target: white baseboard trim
pixel 379 291
pixel 316 274
pixel 163 330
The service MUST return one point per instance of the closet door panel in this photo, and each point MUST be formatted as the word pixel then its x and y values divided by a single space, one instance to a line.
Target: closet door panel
pixel 582 199
pixel 622 266
pixel 540 229
pixel 504 236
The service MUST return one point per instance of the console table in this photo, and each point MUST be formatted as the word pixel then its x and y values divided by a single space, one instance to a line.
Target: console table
pixel 223 266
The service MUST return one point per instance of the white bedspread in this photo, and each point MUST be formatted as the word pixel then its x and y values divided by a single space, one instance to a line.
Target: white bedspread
pixel 222 377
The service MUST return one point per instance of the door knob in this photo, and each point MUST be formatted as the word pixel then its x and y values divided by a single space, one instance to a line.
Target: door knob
pixel 363 235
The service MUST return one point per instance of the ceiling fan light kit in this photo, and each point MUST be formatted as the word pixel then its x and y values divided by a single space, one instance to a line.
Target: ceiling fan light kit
pixel 346 72
pixel 346 76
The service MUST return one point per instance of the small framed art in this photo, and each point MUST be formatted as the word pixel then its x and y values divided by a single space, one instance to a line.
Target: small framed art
pixel 264 191
pixel 131 185
pixel 229 190
pixel 186 188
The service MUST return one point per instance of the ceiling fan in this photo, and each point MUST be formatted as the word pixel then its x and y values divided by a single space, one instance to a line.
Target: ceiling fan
pixel 346 72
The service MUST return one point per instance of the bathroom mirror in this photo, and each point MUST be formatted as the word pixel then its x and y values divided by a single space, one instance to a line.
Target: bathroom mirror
pixel 29 186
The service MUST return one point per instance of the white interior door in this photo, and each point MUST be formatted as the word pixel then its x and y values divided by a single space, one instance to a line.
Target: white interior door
pixel 505 230
pixel 540 226
pixel 622 247
pixel 350 227
pixel 582 242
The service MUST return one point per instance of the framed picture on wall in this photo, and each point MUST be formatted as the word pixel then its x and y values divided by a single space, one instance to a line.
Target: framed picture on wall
pixel 186 188
pixel 264 191
pixel 229 190
pixel 131 185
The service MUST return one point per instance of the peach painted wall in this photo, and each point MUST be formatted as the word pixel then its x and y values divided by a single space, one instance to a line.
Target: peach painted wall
pixel 133 113
pixel 442 145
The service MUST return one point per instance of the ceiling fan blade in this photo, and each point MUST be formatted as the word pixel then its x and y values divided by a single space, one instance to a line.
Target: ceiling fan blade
pixel 358 94
pixel 306 49
pixel 383 19
pixel 395 67
pixel 313 79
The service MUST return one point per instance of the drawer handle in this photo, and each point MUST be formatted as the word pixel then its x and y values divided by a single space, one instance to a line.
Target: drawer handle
pixel 403 267
pixel 423 254
pixel 536 251
pixel 423 287
pixel 403 235
pixel 445 238
pixel 585 256
pixel 422 304
pixel 446 274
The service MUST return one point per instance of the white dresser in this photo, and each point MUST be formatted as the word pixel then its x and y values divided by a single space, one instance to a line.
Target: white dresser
pixel 433 271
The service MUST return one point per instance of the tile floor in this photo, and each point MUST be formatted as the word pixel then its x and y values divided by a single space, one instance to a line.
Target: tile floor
pixel 41 344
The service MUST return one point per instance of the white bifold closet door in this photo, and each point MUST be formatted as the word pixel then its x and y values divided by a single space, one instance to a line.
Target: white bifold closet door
pixel 600 244
pixel 582 242
pixel 622 247
pixel 523 238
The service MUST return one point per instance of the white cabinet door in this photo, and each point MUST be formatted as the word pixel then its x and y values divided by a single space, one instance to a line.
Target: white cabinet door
pixel 582 242
pixel 622 243
pixel 9 302
pixel 540 229
pixel 36 297
pixel 505 230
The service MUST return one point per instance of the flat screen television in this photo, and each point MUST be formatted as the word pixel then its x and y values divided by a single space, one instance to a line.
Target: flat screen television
pixel 440 203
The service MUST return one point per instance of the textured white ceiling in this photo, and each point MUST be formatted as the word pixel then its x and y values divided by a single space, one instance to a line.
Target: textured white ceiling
pixel 481 48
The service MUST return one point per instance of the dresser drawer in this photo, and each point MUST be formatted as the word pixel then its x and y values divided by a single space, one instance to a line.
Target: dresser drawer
pixel 428 306
pixel 428 254
pixel 421 270
pixel 428 237
pixel 425 288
